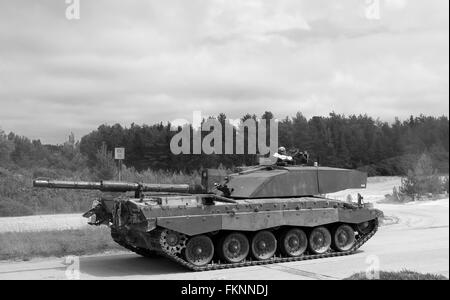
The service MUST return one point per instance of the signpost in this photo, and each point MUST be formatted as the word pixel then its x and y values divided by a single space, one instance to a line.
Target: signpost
pixel 119 154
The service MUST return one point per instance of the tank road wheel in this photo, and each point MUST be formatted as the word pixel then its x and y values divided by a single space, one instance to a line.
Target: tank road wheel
pixel 234 247
pixel 293 242
pixel 199 250
pixel 343 238
pixel 319 240
pixel 264 245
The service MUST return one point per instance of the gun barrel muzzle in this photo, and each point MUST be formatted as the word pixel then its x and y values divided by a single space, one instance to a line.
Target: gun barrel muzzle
pixel 59 184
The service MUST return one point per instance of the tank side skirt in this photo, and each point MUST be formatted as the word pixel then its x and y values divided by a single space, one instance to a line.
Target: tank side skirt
pixel 245 221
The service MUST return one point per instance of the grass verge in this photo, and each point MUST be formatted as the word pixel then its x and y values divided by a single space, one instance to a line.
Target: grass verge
pixel 26 245
pixel 402 275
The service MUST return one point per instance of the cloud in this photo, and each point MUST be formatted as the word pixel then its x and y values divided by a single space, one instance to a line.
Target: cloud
pixel 151 61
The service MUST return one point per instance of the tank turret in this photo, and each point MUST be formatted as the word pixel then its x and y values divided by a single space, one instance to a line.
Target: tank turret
pixel 295 181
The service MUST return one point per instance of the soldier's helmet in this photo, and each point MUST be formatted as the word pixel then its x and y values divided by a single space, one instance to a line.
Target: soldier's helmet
pixel 282 150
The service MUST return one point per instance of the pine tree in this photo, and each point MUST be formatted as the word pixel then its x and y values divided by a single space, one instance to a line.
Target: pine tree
pixel 105 168
pixel 6 148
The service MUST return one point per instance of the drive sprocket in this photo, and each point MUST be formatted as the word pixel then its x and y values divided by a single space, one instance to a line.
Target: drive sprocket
pixel 173 242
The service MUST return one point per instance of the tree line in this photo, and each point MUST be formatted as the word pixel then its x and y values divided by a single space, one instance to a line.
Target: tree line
pixel 355 141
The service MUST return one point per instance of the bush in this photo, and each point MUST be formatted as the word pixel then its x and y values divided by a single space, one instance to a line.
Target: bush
pixel 10 208
pixel 402 275
pixel 18 197
pixel 445 184
pixel 422 180
pixel 160 176
pixel 45 173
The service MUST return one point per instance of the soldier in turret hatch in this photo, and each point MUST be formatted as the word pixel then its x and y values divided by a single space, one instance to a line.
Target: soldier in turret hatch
pixel 282 158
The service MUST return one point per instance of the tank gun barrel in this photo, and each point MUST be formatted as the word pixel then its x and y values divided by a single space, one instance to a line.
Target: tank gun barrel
pixel 115 186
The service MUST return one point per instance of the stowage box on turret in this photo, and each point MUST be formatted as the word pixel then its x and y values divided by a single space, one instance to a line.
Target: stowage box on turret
pixel 264 214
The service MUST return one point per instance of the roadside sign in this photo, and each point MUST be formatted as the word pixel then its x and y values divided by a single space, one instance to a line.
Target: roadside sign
pixel 119 153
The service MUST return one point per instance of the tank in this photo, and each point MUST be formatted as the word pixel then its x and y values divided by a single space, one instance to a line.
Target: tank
pixel 258 215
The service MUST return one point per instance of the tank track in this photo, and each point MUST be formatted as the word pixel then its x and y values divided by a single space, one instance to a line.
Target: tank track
pixel 362 239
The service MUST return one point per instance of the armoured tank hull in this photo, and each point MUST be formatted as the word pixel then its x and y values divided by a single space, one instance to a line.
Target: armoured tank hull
pixel 204 236
pixel 261 215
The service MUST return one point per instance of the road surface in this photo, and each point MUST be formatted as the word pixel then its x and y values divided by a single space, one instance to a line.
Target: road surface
pixel 415 238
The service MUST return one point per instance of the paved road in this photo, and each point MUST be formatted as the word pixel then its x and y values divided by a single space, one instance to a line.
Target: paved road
pixel 417 239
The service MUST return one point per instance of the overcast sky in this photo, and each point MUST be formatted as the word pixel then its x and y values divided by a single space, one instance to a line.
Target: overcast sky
pixel 149 61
